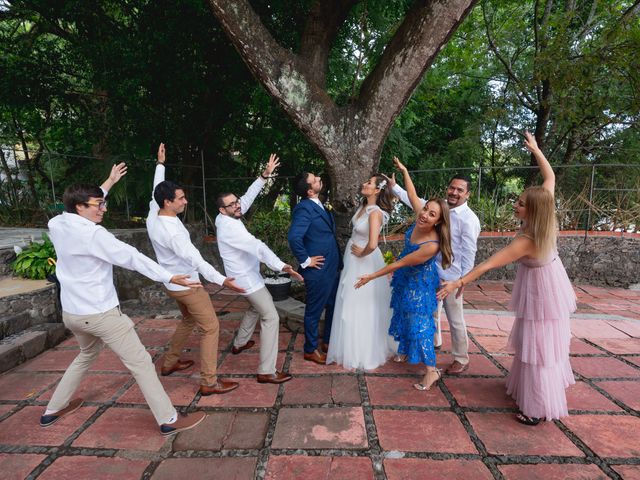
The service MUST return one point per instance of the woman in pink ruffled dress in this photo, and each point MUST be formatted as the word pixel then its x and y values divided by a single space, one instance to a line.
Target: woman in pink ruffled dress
pixel 542 300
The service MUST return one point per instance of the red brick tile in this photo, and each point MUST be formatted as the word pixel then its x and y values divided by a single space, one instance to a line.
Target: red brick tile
pixel 335 468
pixel 283 341
pixel 478 365
pixel 301 366
pixel 96 468
pixel 578 347
pixel 582 397
pixel 607 435
pixel 446 344
pixel 226 430
pixel 629 327
pixel 415 469
pixel 399 391
pixel 22 427
pixel 123 428
pixel 154 338
pixel 227 468
pixel 505 324
pixel 6 408
pixel 628 392
pixel 482 320
pixel 307 428
pixel 163 323
pixel 392 367
pixel 564 471
pixel 618 345
pixel 628 472
pixel 181 391
pixel 322 390
pixel 246 362
pixel 23 386
pixel 505 360
pixel 95 387
pixel 503 435
pixel 493 344
pixel 603 367
pixel 18 466
pixel 480 392
pixel 634 360
pixel 582 328
pixel 108 361
pixel 345 389
pixel 250 393
pixel 411 431
pixel 51 360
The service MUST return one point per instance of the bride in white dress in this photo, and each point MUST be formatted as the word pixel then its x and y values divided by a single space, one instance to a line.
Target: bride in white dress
pixel 360 329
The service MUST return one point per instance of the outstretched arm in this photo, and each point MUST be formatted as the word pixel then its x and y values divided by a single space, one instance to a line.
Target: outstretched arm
pixel 416 203
pixel 549 178
pixel 254 189
pixel 117 172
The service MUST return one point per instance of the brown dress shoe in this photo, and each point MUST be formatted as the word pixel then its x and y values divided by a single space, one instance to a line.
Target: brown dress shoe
pixel 316 357
pixel 324 347
pixel 218 388
pixel 179 365
pixel 456 368
pixel 278 377
pixel 246 346
pixel 182 423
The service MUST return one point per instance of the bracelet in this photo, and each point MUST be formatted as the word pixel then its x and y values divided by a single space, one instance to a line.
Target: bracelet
pixel 265 178
pixel 461 283
pixel 158 162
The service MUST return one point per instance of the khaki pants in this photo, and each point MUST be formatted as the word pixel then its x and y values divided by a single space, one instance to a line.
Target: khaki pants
pixel 197 310
pixel 114 329
pixel 262 307
pixel 457 326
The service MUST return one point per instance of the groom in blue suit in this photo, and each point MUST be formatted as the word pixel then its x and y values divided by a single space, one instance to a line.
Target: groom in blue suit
pixel 312 239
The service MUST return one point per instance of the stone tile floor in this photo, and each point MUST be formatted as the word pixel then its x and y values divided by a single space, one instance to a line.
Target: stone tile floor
pixel 337 424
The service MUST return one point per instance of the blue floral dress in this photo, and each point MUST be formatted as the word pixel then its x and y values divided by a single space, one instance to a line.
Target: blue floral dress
pixel 414 304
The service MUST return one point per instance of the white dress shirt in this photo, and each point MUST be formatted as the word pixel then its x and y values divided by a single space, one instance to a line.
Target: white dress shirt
pixel 172 244
pixel 465 229
pixel 86 254
pixel 241 252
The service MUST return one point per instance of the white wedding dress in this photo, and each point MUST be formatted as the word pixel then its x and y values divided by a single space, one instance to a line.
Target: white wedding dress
pixel 360 330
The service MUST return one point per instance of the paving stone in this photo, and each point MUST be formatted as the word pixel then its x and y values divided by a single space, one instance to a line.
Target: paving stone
pixel 446 345
pixel 629 327
pixel 578 347
pixel 607 435
pixel 123 428
pixel 301 366
pixel 345 389
pixel 411 431
pixel 310 428
pixel 23 386
pixel 493 344
pixel 51 360
pixel 480 392
pixel 250 393
pixel 311 390
pixel 157 338
pixel 108 361
pixel 603 367
pixel 246 363
pixel 417 468
pixel 226 430
pixel 227 468
pixel 581 396
pixel 628 472
pixel 478 365
pixel 505 324
pixel 6 408
pixel 628 392
pixel 95 387
pixel 181 391
pixel 505 360
pixel 400 368
pixel 503 435
pixel 582 328
pixel 165 323
pixel 634 360
pixel 285 467
pixel 564 471
pixel 399 391
pixel 95 468
pixel 16 466
pixel 480 320
pixel 22 428
pixel 618 345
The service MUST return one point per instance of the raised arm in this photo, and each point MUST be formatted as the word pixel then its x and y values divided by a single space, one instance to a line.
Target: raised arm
pixel 117 172
pixel 256 187
pixel 416 203
pixel 549 178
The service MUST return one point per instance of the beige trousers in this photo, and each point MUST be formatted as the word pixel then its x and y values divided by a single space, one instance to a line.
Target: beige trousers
pixel 114 329
pixel 262 308
pixel 197 310
pixel 457 326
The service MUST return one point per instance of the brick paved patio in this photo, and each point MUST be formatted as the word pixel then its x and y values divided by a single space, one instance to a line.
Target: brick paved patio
pixel 331 423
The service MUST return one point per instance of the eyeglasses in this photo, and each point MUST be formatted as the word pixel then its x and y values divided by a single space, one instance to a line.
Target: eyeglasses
pixel 101 205
pixel 233 204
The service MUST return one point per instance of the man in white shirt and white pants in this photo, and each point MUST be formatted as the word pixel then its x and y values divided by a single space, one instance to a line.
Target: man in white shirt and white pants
pixel 465 229
pixel 242 254
pixel 175 252
pixel 86 254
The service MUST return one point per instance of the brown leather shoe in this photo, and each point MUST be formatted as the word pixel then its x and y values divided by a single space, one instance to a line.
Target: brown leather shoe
pixel 179 365
pixel 278 377
pixel 246 346
pixel 456 368
pixel 182 423
pixel 218 388
pixel 316 357
pixel 324 347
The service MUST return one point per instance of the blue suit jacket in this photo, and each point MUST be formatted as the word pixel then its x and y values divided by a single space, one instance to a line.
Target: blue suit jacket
pixel 313 232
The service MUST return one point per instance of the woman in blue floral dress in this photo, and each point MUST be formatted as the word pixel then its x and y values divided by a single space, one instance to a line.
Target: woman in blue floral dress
pixel 415 282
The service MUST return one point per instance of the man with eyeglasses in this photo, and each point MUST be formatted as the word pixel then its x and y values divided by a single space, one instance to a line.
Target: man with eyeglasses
pixel 242 254
pixel 86 254
pixel 175 252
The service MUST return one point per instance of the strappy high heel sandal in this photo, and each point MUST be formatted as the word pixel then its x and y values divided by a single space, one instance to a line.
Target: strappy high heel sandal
pixel 426 384
pixel 525 420
pixel 400 358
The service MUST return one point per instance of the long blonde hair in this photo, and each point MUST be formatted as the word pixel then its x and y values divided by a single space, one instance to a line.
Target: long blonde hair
pixel 540 223
pixel 443 228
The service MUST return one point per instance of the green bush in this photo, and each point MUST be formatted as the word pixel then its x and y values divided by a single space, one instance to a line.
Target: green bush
pixel 272 227
pixel 33 262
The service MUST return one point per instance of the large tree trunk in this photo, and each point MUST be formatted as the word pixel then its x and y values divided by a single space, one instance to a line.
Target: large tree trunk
pixel 350 137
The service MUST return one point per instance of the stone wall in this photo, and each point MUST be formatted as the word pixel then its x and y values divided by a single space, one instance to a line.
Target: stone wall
pixel 19 312
pixel 597 260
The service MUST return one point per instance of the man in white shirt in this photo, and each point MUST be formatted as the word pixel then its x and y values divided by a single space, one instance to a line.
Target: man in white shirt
pixel 465 229
pixel 175 252
pixel 242 254
pixel 86 254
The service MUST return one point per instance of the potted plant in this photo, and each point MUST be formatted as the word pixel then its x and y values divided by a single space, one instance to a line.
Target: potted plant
pixel 279 285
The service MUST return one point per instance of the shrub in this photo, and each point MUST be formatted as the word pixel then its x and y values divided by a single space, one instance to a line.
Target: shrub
pixel 33 261
pixel 272 227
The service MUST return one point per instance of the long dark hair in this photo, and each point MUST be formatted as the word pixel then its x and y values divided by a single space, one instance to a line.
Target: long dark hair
pixel 444 232
pixel 385 197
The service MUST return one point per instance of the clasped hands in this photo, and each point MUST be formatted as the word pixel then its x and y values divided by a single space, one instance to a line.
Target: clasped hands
pixel 448 287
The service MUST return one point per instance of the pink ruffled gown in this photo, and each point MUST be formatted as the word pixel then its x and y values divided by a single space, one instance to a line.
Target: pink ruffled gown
pixel 542 300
